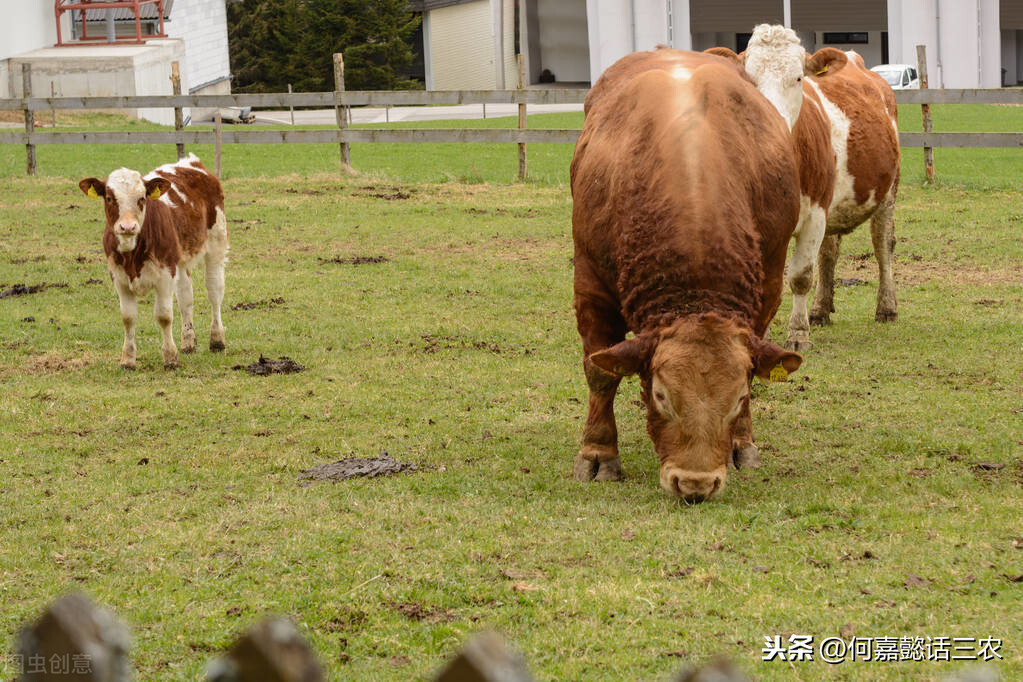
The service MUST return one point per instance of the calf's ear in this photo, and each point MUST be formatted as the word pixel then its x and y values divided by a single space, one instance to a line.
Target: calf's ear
pixel 825 62
pixel 771 362
pixel 93 187
pixel 156 187
pixel 625 358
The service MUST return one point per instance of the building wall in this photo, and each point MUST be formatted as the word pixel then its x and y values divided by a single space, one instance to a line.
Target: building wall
pixel 461 47
pixel 619 27
pixel 871 51
pixel 734 16
pixel 564 42
pixel 202 24
pixel 1009 48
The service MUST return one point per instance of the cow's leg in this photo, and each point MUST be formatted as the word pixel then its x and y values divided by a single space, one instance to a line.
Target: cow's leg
pixel 882 234
pixel 163 310
pixel 808 238
pixel 216 257
pixel 185 305
pixel 824 300
pixel 129 316
pixel 598 454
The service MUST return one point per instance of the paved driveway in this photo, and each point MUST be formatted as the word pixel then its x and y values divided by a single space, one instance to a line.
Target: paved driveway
pixel 381 115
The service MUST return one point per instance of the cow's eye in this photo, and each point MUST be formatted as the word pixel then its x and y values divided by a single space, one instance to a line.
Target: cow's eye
pixel 799 79
pixel 141 203
pixel 659 396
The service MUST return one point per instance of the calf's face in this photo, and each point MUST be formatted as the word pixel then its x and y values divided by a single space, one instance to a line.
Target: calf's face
pixel 696 377
pixel 124 196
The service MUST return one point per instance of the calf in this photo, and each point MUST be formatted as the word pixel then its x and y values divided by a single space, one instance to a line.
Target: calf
pixel 685 194
pixel 849 165
pixel 158 226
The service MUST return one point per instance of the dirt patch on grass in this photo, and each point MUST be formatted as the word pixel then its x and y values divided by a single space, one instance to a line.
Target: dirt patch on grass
pixel 24 290
pixel 357 467
pixel 268 304
pixel 53 361
pixel 356 260
pixel 419 612
pixel 387 193
pixel 265 366
pixel 916 272
pixel 432 343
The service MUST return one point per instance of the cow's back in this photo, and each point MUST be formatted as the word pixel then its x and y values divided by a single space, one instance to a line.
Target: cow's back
pixel 194 198
pixel 685 190
pixel 866 106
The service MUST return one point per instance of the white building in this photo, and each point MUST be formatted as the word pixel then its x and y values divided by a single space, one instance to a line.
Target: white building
pixel 472 43
pixel 196 38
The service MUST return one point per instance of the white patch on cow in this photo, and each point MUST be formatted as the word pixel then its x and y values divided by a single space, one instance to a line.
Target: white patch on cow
pixel 845 212
pixel 681 74
pixel 147 280
pixel 808 236
pixel 216 257
pixel 775 62
pixel 127 188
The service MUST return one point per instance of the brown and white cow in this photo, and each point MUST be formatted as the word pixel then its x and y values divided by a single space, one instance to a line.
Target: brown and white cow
pixel 685 193
pixel 849 165
pixel 157 228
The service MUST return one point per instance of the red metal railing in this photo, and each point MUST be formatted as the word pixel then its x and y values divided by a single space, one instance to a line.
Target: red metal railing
pixel 61 6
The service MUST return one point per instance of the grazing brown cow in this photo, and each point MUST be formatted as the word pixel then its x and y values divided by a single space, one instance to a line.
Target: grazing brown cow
pixel 855 155
pixel 158 226
pixel 685 194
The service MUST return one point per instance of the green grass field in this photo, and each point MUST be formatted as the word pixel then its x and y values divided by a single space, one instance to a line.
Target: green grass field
pixel 889 503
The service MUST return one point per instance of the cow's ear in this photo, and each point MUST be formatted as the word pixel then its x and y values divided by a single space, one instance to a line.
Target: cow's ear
pixel 825 62
pixel 625 358
pixel 728 54
pixel 93 187
pixel 771 362
pixel 156 187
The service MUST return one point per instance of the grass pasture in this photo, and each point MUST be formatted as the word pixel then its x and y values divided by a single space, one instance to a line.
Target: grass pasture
pixel 889 503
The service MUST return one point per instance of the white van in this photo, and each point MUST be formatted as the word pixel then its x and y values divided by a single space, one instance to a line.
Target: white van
pixel 899 76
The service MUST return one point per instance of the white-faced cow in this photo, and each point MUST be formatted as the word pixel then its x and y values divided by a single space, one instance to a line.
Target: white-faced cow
pixel 844 122
pixel 685 193
pixel 158 226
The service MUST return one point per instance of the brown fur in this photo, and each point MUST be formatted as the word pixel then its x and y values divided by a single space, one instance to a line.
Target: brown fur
pixel 685 196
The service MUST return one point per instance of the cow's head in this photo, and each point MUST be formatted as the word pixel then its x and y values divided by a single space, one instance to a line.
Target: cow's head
pixel 124 195
pixel 777 63
pixel 696 377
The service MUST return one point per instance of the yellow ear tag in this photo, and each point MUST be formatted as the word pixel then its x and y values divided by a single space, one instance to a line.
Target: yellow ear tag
pixel 155 194
pixel 823 71
pixel 92 192
pixel 779 373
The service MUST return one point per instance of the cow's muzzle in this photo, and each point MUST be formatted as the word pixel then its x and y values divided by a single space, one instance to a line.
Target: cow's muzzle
pixel 692 486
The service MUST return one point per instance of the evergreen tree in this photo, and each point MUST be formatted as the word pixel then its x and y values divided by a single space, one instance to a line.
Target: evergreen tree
pixel 276 42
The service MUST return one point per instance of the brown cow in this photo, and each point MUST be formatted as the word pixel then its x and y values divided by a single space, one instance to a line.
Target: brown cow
pixel 685 194
pixel 859 142
pixel 157 228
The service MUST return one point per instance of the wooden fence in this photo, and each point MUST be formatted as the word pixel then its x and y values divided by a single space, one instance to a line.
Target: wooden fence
pixel 345 135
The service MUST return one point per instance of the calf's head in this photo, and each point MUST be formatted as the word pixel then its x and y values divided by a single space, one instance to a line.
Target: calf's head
pixel 696 375
pixel 777 63
pixel 124 196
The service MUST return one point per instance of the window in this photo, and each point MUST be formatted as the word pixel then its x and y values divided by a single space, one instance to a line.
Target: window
pixel 846 38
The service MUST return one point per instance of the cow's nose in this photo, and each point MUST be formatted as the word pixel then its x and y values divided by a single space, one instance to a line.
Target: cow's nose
pixel 128 228
pixel 692 486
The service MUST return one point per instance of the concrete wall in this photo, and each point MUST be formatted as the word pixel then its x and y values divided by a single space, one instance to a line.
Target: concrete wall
pixel 29 26
pixel 202 24
pixel 461 47
pixel 871 51
pixel 104 71
pixel 618 27
pixel 564 42
pixel 1009 46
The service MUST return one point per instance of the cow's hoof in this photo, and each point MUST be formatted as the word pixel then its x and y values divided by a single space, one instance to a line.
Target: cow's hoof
pixel 173 364
pixel 610 470
pixel 749 457
pixel 187 347
pixel 128 365
pixel 799 344
pixel 217 346
pixel 584 469
pixel 885 316
pixel 820 319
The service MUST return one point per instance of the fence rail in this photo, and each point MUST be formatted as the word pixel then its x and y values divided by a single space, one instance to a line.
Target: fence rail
pixel 344 135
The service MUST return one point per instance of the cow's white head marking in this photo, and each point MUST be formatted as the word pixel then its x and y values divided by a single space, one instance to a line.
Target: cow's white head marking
pixel 124 196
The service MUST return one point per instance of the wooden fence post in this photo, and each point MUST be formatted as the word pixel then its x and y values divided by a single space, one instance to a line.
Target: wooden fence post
pixel 522 117
pixel 218 140
pixel 178 120
pixel 925 110
pixel 485 658
pixel 291 107
pixel 342 111
pixel 30 117
pixel 53 112
pixel 270 650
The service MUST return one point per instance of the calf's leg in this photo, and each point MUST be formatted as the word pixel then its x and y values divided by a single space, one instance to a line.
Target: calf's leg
pixel 129 316
pixel 824 300
pixel 808 237
pixel 163 309
pixel 882 234
pixel 185 305
pixel 216 256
